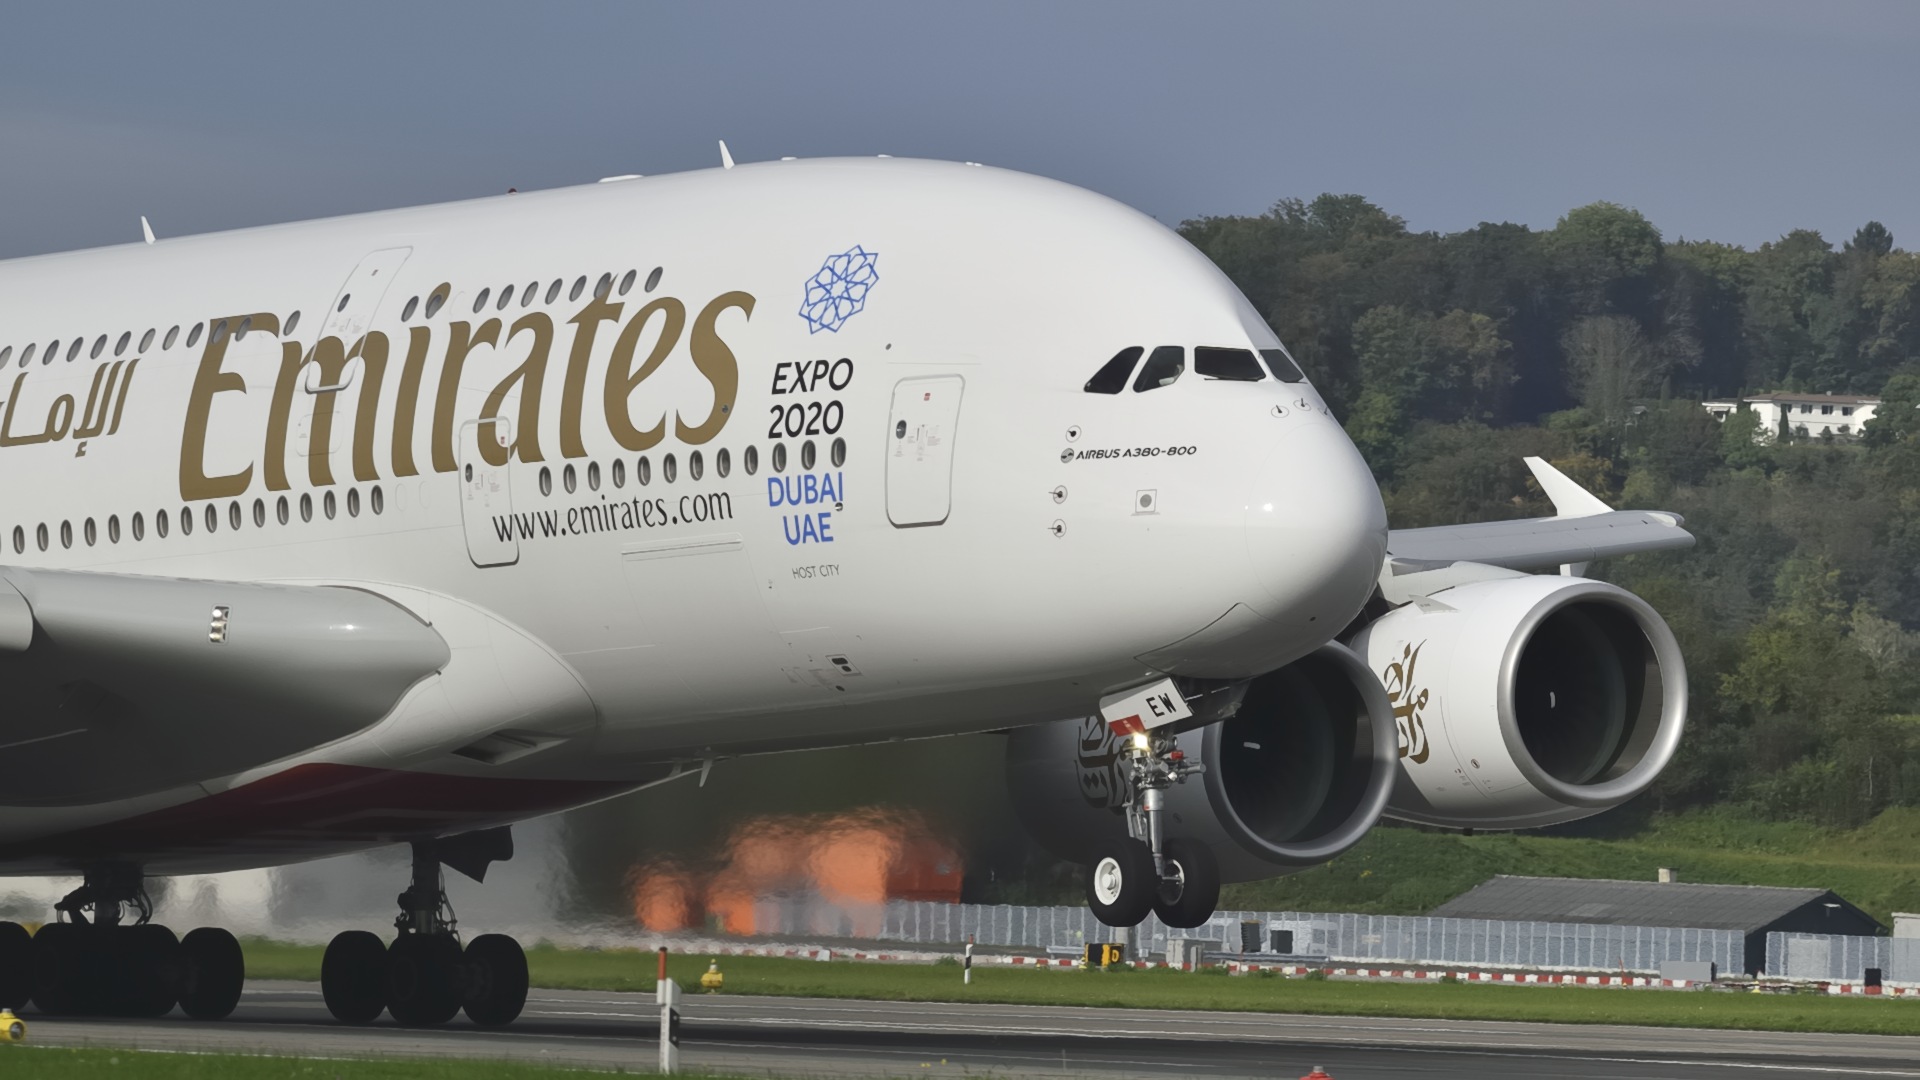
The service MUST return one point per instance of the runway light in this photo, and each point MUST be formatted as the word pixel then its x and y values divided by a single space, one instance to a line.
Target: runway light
pixel 12 1028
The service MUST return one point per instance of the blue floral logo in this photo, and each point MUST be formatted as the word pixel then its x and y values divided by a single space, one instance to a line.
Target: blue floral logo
pixel 839 291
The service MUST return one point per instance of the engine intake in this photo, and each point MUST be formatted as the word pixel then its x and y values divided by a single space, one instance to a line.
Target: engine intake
pixel 1296 775
pixel 1527 701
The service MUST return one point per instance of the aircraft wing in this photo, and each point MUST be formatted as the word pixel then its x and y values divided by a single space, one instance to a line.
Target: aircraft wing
pixel 1584 529
pixel 114 685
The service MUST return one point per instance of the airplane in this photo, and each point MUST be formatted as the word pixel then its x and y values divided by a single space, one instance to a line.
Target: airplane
pixel 407 526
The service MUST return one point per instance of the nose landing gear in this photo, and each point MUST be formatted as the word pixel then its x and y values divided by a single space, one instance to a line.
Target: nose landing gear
pixel 1176 879
pixel 425 977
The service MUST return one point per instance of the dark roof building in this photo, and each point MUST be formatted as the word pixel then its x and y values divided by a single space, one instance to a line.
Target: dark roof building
pixel 1753 910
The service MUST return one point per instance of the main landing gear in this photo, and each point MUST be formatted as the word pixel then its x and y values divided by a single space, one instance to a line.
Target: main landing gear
pixel 1176 879
pixel 92 962
pixel 105 957
pixel 425 977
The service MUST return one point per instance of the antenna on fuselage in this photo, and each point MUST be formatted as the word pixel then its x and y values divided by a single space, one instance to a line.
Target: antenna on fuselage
pixel 726 157
pixel 146 230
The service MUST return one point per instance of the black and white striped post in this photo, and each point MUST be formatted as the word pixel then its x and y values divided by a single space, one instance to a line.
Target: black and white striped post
pixel 966 965
pixel 668 994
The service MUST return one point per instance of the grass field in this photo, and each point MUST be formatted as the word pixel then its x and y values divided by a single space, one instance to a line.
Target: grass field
pixel 621 969
pixel 48 1063
pixel 1397 871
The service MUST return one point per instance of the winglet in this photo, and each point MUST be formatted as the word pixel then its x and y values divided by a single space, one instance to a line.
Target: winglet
pixel 146 230
pixel 726 158
pixel 1569 499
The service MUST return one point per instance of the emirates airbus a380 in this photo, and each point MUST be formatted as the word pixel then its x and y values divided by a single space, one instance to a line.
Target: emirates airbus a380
pixel 406 526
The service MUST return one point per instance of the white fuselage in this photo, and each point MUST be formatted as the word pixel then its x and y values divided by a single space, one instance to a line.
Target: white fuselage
pixel 744 516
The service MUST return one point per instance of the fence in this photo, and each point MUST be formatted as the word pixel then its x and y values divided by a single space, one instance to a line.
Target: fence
pixel 1339 938
pixel 1839 958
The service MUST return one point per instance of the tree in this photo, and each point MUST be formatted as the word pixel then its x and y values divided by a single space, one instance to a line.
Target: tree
pixel 1608 253
pixel 1608 365
pixel 1871 239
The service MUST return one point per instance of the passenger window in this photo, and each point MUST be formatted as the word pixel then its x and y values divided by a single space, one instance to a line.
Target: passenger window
pixel 1112 376
pixel 1230 365
pixel 1282 365
pixel 1162 367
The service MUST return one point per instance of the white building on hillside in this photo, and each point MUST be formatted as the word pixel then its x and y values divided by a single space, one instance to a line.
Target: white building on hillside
pixel 1804 415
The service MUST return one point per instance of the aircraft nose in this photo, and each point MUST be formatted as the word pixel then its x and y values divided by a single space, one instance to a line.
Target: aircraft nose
pixel 1316 530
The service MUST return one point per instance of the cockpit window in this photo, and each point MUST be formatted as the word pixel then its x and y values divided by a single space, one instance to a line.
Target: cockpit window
pixel 1282 365
pixel 1112 376
pixel 1162 367
pixel 1233 365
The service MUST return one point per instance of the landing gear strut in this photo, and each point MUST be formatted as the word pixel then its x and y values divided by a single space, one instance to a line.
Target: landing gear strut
pixel 1176 879
pixel 425 977
pixel 92 961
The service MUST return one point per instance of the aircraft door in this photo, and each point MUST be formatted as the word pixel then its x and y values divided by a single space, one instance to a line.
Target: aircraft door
pixel 486 495
pixel 348 319
pixel 353 309
pixel 921 430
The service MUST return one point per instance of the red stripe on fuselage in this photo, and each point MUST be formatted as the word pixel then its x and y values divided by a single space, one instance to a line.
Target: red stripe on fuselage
pixel 306 812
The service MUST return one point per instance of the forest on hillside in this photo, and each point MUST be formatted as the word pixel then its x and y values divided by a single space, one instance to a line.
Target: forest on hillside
pixel 1449 357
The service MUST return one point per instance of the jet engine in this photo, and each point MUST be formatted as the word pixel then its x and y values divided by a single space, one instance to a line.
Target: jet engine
pixel 1526 701
pixel 1297 772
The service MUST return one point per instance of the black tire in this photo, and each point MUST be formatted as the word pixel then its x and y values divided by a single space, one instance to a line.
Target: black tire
pixel 150 970
pixel 64 969
pixel 496 980
pixel 420 974
pixel 16 965
pixel 215 970
pixel 1121 882
pixel 1188 900
pixel 353 977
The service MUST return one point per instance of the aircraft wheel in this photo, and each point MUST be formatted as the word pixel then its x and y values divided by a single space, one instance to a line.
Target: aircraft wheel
pixel 150 971
pixel 353 977
pixel 496 980
pixel 64 965
pixel 16 965
pixel 1122 882
pixel 214 971
pixel 420 974
pixel 1188 899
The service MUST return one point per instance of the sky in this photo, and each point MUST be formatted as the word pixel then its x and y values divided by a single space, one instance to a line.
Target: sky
pixel 1725 121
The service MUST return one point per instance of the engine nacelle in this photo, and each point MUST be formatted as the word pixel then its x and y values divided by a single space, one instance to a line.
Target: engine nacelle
pixel 1526 701
pixel 1296 775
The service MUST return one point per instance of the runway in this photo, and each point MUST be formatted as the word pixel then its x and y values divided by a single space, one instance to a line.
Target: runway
pixel 811 1037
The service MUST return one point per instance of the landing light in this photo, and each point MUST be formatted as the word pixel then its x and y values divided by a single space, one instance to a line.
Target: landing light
pixel 1268 507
